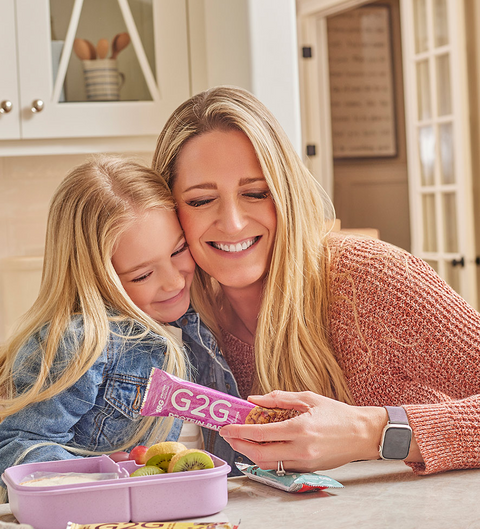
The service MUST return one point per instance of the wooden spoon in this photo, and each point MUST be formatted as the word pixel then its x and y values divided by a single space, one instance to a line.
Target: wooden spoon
pixel 102 48
pixel 81 49
pixel 93 51
pixel 120 42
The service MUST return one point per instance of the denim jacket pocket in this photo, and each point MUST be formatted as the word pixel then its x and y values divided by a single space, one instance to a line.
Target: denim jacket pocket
pixel 125 394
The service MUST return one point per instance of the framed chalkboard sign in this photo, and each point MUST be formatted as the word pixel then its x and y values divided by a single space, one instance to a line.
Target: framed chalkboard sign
pixel 361 83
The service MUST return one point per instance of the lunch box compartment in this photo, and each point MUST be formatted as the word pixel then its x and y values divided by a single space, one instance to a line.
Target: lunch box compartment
pixel 159 497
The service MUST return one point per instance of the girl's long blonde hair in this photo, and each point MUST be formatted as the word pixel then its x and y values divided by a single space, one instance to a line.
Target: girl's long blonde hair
pixel 95 203
pixel 292 348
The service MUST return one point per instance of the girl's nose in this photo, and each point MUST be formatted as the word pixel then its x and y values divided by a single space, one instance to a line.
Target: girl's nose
pixel 232 219
pixel 172 279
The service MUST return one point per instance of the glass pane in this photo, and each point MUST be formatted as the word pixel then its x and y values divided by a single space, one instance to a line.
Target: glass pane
pixel 450 223
pixel 429 224
pixel 444 94
pixel 433 264
pixel 426 149
pixel 440 22
pixel 103 66
pixel 420 22
pixel 453 275
pixel 423 90
pixel 447 170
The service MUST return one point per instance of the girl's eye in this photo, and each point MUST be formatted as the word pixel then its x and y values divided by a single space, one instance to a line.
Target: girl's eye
pixel 259 195
pixel 142 278
pixel 181 249
pixel 196 203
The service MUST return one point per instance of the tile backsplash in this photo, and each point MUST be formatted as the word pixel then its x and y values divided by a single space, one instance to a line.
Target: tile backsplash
pixel 27 184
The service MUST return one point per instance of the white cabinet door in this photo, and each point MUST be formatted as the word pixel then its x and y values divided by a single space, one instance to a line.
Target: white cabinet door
pixel 153 87
pixel 438 139
pixel 9 105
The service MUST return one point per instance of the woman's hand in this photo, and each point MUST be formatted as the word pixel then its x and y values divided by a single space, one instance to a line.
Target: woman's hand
pixel 326 435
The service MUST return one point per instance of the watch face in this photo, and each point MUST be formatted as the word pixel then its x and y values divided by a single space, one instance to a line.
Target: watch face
pixel 396 443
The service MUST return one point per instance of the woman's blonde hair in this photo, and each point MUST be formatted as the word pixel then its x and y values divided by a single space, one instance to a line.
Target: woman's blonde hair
pixel 292 348
pixel 93 205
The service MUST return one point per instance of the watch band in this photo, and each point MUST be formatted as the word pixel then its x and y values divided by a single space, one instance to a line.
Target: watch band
pixel 396 415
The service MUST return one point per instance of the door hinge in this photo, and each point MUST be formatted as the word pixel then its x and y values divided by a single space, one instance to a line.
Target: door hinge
pixel 311 150
pixel 307 52
pixel 458 262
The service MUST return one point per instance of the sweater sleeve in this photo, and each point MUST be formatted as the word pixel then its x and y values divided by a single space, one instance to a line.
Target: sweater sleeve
pixel 413 342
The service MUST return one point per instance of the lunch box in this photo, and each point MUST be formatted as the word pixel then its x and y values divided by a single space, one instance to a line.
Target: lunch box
pixel 160 497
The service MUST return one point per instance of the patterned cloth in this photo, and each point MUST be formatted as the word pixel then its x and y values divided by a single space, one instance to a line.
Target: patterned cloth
pixel 240 357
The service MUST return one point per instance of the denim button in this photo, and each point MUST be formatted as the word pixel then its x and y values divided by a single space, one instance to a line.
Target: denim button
pixel 227 386
pixel 184 321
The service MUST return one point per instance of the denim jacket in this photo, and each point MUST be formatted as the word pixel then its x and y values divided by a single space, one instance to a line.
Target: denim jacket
pixel 98 412
pixel 210 369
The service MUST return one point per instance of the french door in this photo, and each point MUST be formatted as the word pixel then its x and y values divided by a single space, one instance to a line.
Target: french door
pixel 437 127
pixel 439 161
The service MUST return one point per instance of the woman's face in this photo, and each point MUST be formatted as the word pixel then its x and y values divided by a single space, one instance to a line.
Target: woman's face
pixel 225 207
pixel 154 265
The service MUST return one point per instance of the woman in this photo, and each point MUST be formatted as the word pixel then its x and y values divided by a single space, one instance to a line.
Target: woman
pixel 352 324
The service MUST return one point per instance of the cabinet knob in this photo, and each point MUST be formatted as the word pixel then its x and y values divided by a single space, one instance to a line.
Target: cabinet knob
pixel 37 105
pixel 5 106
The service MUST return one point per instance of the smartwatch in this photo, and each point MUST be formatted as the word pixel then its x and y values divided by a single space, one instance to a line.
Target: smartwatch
pixel 397 434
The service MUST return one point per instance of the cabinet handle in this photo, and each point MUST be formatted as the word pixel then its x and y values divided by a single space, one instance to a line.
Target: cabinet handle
pixel 5 106
pixel 37 105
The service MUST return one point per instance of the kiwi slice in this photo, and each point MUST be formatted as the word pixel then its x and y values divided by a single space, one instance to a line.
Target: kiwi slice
pixel 191 459
pixel 147 470
pixel 160 454
pixel 160 460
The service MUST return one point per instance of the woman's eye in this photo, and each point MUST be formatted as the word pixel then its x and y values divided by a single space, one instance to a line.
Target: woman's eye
pixel 142 278
pixel 196 203
pixel 260 195
pixel 181 249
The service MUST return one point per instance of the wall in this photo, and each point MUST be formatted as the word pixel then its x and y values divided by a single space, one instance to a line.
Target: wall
pixel 373 192
pixel 250 44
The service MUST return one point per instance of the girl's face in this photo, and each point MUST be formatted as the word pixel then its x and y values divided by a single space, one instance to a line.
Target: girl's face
pixel 225 207
pixel 154 265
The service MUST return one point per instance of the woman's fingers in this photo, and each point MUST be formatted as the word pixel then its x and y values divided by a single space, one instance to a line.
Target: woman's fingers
pixel 262 433
pixel 300 401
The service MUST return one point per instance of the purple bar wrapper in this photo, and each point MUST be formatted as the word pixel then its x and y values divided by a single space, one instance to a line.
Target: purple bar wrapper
pixel 170 396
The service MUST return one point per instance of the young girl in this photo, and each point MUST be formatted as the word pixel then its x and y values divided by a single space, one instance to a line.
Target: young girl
pixel 116 267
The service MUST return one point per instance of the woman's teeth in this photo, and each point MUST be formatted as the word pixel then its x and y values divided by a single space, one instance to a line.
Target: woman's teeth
pixel 239 247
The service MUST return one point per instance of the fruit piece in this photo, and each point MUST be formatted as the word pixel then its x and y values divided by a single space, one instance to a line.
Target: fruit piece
pixel 119 456
pixel 191 459
pixel 138 454
pixel 165 451
pixel 146 471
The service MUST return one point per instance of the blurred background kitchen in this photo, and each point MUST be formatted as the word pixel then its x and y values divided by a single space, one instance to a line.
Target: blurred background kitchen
pixel 379 98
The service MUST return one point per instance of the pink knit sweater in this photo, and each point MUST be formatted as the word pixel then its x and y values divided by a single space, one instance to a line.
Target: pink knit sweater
pixel 402 336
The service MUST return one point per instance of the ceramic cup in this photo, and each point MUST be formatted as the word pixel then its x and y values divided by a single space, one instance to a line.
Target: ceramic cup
pixel 102 80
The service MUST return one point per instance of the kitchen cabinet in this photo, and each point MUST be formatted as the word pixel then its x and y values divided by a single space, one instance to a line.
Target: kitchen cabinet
pixel 42 84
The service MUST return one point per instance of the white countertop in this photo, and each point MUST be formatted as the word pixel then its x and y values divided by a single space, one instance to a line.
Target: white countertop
pixel 377 495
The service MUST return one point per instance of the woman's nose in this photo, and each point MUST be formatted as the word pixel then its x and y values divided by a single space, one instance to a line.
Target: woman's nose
pixel 232 219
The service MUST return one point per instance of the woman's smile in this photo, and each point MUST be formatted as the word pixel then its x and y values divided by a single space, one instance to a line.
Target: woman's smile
pixel 235 247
